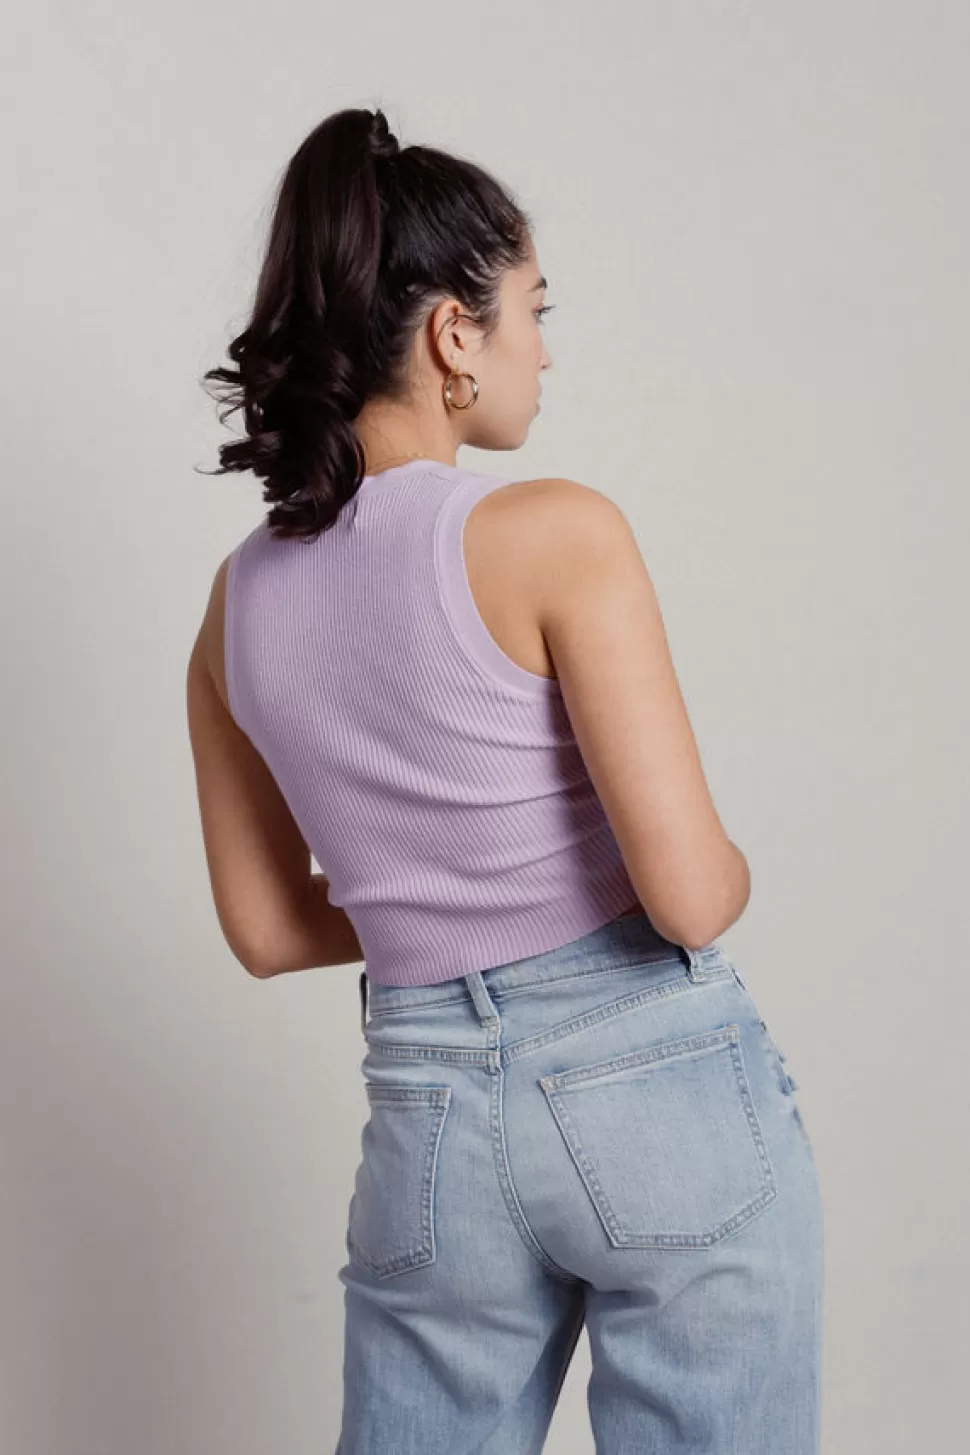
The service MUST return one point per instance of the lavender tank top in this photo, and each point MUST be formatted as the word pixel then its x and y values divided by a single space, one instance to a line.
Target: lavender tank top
pixel 437 783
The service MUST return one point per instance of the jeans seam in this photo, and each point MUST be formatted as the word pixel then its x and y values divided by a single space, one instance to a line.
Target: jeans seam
pixel 514 1050
pixel 504 1174
pixel 451 1056
pixel 531 986
pixel 682 985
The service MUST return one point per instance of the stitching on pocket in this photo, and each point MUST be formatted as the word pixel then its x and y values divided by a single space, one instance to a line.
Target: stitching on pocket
pixel 391 1222
pixel 667 1163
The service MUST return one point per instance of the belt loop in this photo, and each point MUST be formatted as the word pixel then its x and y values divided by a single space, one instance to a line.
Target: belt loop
pixel 481 999
pixel 695 962
pixel 709 963
pixel 362 986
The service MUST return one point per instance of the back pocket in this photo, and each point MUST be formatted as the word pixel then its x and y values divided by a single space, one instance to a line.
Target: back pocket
pixel 391 1222
pixel 667 1141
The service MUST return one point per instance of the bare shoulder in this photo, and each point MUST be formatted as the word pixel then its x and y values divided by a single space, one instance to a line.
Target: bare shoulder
pixel 551 534
pixel 555 501
pixel 551 514
pixel 518 544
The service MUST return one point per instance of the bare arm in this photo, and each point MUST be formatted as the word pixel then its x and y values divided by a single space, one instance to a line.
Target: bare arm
pixel 604 630
pixel 273 912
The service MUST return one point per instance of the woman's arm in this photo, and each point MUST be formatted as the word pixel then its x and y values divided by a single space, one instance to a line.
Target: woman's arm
pixel 274 913
pixel 599 614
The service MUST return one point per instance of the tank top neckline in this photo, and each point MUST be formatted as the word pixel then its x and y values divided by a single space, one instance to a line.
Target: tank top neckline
pixel 409 466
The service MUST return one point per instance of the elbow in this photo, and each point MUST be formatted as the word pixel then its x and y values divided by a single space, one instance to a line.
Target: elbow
pixel 251 948
pixel 698 942
pixel 260 965
pixel 691 937
pixel 252 961
pixel 259 972
pixel 724 907
pixel 699 922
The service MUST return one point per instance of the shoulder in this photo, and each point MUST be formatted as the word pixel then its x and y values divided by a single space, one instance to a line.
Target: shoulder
pixel 554 525
pixel 556 504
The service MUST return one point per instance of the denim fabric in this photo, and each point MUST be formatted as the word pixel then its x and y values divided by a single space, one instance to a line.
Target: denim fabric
pixel 603 1135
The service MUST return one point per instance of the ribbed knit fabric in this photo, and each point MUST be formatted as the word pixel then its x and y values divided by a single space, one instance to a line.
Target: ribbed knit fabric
pixel 437 783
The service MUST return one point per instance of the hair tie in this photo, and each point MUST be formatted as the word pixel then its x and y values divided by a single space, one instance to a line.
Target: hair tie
pixel 383 143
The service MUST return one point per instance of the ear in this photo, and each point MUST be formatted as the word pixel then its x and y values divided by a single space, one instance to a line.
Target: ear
pixel 452 335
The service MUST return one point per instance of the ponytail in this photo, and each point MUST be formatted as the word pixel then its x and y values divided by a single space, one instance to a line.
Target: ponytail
pixel 364 237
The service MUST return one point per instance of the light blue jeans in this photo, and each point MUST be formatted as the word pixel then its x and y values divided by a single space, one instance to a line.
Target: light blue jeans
pixel 604 1134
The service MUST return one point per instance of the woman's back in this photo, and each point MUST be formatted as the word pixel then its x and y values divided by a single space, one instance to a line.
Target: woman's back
pixel 436 780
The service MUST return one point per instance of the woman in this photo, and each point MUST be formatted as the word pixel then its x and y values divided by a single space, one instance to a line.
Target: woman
pixel 455 690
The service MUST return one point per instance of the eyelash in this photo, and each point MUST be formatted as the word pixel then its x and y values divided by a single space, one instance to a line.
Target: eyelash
pixel 546 308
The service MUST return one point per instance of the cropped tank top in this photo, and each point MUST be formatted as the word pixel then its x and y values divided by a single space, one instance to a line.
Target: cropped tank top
pixel 437 783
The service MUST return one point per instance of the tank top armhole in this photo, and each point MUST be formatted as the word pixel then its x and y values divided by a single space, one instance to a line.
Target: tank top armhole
pixel 458 603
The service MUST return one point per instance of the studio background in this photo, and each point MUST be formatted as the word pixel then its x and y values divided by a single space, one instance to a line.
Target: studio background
pixel 754 220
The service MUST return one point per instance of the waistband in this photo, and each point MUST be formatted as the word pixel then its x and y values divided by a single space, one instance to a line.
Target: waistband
pixel 628 939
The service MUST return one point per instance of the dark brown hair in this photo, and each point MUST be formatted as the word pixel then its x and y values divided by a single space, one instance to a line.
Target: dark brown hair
pixel 364 238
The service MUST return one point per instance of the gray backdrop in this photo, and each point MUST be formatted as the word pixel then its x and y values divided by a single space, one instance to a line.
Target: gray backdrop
pixel 754 219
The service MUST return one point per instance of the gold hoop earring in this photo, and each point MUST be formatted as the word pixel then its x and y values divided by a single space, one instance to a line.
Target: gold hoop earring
pixel 446 390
